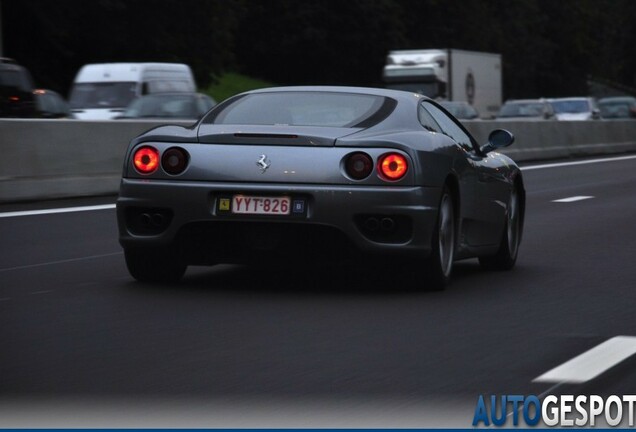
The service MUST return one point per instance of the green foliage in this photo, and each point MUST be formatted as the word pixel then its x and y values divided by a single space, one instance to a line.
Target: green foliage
pixel 230 84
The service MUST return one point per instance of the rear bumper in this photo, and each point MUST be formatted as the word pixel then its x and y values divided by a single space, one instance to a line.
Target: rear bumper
pixel 188 217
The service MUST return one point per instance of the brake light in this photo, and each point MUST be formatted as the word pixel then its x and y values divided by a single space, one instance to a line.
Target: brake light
pixel 174 160
pixel 393 166
pixel 146 160
pixel 359 165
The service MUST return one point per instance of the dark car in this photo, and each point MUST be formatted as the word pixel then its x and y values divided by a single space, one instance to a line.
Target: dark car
pixel 619 107
pixel 16 90
pixel 51 105
pixel 169 105
pixel 307 174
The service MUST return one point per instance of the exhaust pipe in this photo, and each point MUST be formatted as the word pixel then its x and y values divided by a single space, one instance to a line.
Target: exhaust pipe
pixel 157 219
pixel 145 219
pixel 387 224
pixel 372 224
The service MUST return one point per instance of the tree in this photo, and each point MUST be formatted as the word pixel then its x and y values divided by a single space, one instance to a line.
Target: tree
pixel 320 42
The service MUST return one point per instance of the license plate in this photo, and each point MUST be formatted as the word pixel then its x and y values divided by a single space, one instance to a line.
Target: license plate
pixel 259 205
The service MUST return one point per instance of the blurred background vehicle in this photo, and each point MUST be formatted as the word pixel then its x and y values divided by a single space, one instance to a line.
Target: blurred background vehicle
pixel 16 90
pixel 526 109
pixel 575 108
pixel 103 91
pixel 50 104
pixel 460 110
pixel 448 74
pixel 169 105
pixel 619 107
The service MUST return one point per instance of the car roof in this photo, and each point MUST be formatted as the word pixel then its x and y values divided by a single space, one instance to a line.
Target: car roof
pixel 618 99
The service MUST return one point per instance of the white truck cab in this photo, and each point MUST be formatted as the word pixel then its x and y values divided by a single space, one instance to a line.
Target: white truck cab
pixel 102 91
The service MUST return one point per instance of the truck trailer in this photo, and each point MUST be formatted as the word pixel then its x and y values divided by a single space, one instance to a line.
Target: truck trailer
pixel 448 74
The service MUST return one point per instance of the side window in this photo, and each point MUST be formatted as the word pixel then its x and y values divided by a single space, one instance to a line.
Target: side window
pixel 427 120
pixel 448 126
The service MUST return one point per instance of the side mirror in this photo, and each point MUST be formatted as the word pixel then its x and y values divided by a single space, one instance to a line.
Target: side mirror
pixel 596 114
pixel 499 138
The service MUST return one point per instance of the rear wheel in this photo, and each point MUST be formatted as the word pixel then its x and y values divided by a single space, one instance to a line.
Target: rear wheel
pixel 439 265
pixel 154 265
pixel 506 256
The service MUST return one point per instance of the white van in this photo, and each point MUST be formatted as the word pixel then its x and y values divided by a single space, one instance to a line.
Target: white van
pixel 103 91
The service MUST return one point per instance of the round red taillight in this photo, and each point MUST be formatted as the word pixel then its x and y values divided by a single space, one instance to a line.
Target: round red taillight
pixel 359 166
pixel 393 166
pixel 174 160
pixel 146 160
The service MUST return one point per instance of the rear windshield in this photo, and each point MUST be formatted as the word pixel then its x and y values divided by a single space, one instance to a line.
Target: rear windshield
pixel 102 95
pixel 15 79
pixel 571 106
pixel 304 109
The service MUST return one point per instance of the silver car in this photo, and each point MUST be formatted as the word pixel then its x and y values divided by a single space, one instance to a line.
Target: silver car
pixel 576 108
pixel 526 109
pixel 312 174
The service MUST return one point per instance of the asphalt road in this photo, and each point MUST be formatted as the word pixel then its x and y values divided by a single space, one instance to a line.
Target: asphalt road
pixel 231 346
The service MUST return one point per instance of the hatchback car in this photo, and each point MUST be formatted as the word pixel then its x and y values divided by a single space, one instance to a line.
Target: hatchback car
pixel 16 90
pixel 575 108
pixel 620 107
pixel 526 109
pixel 51 105
pixel 308 174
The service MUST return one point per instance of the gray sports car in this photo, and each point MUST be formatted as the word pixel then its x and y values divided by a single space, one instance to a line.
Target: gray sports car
pixel 320 173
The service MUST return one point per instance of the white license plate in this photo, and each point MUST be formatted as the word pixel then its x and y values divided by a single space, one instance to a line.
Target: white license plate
pixel 260 205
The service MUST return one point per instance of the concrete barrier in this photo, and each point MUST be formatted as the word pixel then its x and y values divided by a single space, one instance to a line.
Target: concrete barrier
pixel 45 159
pixel 561 139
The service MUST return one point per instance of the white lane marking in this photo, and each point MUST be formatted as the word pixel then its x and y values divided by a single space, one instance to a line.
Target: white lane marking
pixel 573 199
pixel 59 262
pixel 57 210
pixel 592 363
pixel 40 292
pixel 583 162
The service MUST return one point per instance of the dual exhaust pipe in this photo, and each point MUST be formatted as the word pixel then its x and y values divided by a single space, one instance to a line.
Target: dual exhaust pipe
pixel 152 220
pixel 374 224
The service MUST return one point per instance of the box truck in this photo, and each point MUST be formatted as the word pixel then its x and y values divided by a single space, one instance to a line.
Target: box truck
pixel 102 91
pixel 448 74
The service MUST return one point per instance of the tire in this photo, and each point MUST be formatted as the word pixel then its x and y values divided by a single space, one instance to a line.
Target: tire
pixel 439 264
pixel 154 265
pixel 506 256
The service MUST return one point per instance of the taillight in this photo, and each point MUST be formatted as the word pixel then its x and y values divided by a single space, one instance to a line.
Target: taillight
pixel 393 166
pixel 359 166
pixel 146 160
pixel 174 160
